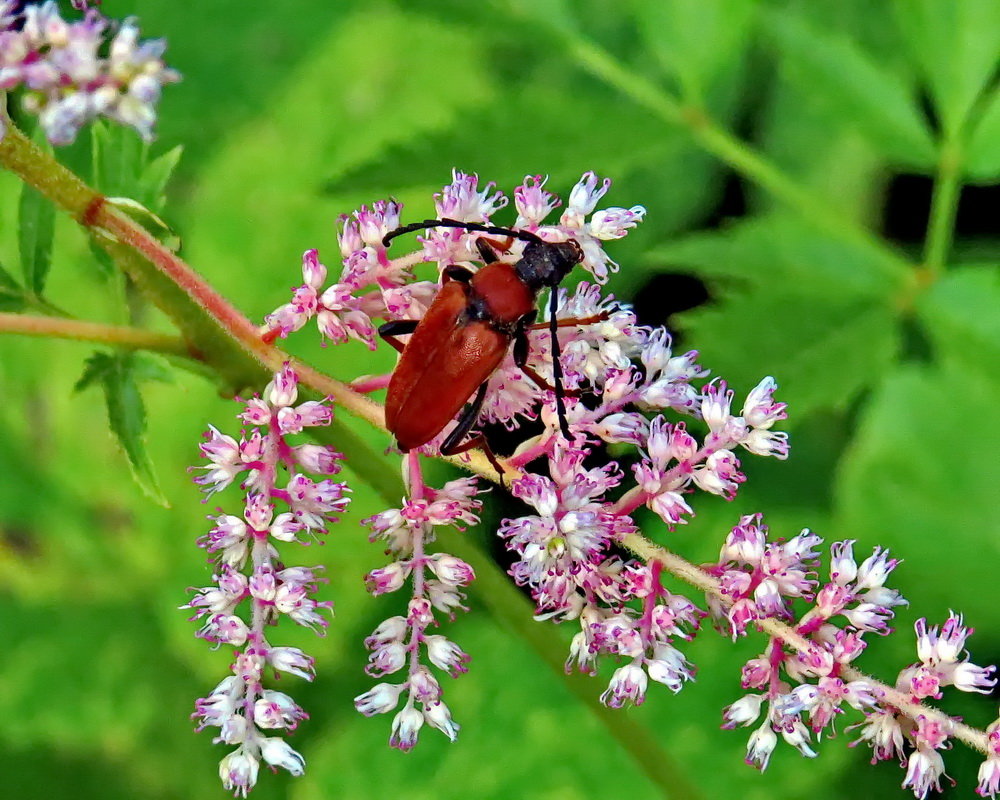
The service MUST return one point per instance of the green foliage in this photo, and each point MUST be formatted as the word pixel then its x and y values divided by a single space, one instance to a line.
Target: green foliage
pixel 855 85
pixel 983 159
pixel 36 225
pixel 696 42
pixel 118 376
pixel 291 114
pixel 122 167
pixel 954 44
pixel 11 294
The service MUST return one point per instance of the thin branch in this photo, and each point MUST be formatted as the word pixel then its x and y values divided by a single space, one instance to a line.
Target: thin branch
pixel 944 208
pixel 96 332
pixel 700 579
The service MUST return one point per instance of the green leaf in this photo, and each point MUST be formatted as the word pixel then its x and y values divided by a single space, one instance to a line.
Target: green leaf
pixel 857 87
pixel 11 294
pixel 148 367
pixel 547 146
pixel 956 43
pixel 117 157
pixel 384 102
pixel 812 311
pixel 106 265
pixel 154 178
pixel 98 704
pixel 695 41
pixel 825 153
pixel 36 226
pixel 781 251
pixel 918 479
pixel 122 166
pixel 982 160
pixel 960 313
pixel 555 14
pixel 126 413
pixel 823 351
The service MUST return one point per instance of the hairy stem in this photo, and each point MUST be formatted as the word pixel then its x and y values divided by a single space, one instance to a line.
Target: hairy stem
pixel 697 577
pixel 118 335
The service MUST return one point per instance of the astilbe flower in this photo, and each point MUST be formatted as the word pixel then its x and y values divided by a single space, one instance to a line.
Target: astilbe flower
pixel 942 661
pixel 628 388
pixel 567 552
pixel 760 580
pixel 802 690
pixel 252 588
pixel 989 771
pixel 403 643
pixel 66 80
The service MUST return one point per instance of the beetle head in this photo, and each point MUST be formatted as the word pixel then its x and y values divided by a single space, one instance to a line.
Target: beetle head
pixel 547 263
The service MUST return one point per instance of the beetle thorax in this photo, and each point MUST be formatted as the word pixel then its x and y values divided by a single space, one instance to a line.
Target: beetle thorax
pixel 547 263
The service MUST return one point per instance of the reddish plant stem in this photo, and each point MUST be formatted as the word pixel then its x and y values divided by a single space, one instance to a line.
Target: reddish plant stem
pixel 79 330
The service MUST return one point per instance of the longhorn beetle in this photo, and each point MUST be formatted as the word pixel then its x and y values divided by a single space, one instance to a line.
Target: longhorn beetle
pixel 467 331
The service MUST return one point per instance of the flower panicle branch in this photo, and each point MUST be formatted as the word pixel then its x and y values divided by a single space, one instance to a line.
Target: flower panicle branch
pixel 801 691
pixel 252 587
pixel 65 79
pixel 403 643
pixel 567 553
pixel 626 387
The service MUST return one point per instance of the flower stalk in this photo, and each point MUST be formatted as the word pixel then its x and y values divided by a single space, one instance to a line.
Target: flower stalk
pixel 121 336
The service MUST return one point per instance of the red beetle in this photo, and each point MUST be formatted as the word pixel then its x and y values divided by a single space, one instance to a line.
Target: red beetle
pixel 466 333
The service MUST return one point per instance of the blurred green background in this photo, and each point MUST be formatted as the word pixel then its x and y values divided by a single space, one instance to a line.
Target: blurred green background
pixel 786 153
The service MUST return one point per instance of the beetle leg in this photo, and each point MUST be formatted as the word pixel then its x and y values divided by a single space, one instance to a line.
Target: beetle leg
pixel 453 272
pixel 521 338
pixel 488 248
pixel 543 384
pixel 521 355
pixel 471 444
pixel 465 423
pixel 453 444
pixel 570 321
pixel 398 327
pixel 486 253
pixel 557 372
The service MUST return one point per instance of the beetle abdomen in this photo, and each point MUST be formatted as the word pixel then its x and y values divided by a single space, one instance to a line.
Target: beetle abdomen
pixel 444 362
pixel 464 360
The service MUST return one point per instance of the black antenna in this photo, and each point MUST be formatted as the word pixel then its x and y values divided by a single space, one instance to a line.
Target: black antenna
pixel 524 236
pixel 557 373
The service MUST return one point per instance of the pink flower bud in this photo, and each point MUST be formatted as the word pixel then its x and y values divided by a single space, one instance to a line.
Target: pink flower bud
pixel 387 579
pixel 238 772
pixel 277 752
pixel 291 660
pixel 628 684
pixel 380 699
pixel 446 655
pixel 424 687
pixel 405 728
pixel 313 272
pixel 438 716
pixel 451 571
pixel 282 390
